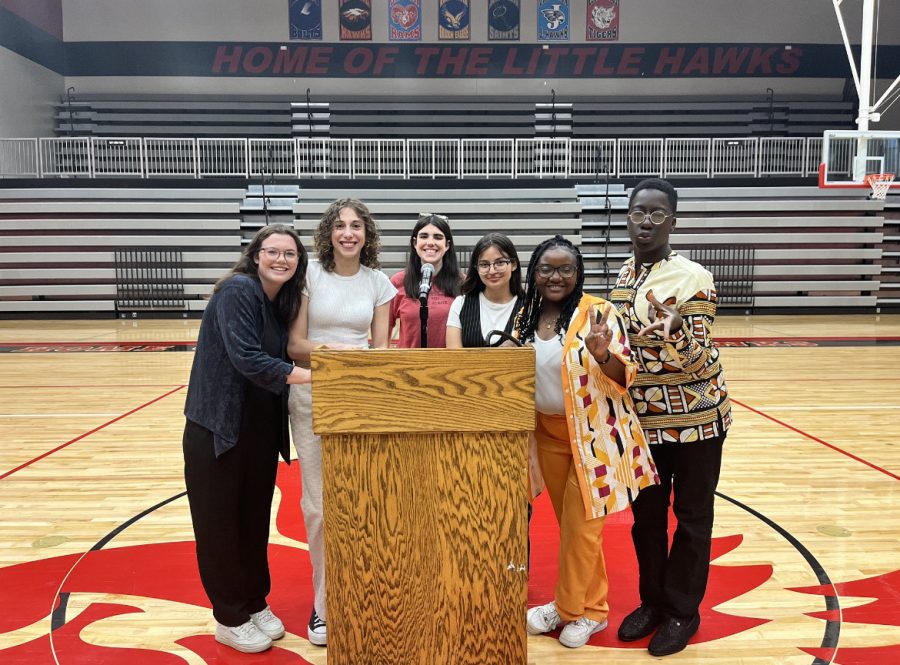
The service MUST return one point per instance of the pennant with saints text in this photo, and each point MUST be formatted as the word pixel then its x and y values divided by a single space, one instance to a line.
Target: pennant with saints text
pixel 503 20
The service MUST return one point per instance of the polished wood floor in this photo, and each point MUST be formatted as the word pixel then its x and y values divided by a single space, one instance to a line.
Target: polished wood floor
pixel 96 559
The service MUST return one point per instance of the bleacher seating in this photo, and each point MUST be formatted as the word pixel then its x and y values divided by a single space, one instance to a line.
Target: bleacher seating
pixel 669 118
pixel 60 245
pixel 527 216
pixel 436 117
pixel 812 249
pixel 889 294
pixel 171 116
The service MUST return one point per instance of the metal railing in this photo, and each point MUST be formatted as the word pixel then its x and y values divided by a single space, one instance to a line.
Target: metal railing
pixel 294 158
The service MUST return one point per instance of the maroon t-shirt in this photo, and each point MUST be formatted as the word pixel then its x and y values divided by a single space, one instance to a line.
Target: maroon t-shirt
pixel 407 310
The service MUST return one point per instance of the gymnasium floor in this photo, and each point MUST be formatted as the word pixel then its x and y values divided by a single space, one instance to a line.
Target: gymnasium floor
pixel 96 558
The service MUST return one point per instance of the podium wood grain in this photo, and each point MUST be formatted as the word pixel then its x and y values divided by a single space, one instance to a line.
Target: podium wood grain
pixel 423 390
pixel 425 531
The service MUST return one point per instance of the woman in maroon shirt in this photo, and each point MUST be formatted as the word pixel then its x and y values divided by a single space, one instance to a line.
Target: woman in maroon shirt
pixel 431 242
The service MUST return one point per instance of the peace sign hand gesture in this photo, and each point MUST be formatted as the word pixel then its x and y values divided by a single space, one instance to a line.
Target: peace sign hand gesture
pixel 600 335
pixel 664 317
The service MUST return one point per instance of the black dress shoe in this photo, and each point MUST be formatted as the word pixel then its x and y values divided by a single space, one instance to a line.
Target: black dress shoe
pixel 673 635
pixel 640 623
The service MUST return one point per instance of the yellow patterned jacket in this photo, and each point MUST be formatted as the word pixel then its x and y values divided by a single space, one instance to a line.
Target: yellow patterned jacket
pixel 612 457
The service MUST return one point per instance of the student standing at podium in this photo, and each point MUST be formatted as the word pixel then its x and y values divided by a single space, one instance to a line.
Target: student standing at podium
pixel 491 294
pixel 431 243
pixel 236 412
pixel 592 453
pixel 346 296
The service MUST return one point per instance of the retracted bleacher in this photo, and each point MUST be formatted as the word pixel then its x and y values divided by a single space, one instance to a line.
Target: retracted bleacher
pixel 527 216
pixel 60 248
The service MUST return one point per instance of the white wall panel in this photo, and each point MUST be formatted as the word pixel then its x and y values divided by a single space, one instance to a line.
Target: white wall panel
pixel 27 96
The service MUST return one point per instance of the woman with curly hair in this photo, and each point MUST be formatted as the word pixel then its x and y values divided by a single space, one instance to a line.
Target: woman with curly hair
pixel 346 296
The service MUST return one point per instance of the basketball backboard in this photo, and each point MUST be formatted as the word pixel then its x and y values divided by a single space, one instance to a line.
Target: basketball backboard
pixel 848 156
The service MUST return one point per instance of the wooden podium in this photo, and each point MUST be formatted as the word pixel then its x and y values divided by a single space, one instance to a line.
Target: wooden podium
pixel 424 465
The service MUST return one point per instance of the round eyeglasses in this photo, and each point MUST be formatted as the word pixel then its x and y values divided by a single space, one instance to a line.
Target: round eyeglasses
pixel 565 271
pixel 500 265
pixel 656 217
pixel 290 255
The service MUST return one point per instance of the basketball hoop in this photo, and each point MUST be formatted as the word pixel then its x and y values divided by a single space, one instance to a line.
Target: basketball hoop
pixel 880 184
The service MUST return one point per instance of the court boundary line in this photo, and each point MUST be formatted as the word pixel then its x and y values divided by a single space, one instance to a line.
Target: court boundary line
pixel 6 474
pixel 816 439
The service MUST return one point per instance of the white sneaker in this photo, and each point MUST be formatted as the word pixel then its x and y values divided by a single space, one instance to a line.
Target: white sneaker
pixel 268 623
pixel 577 633
pixel 542 619
pixel 317 633
pixel 246 638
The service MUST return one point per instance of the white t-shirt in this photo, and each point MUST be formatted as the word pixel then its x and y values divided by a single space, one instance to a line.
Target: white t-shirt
pixel 341 308
pixel 548 388
pixel 493 315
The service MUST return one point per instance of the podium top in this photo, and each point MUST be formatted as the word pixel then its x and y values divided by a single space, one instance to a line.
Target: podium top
pixel 423 390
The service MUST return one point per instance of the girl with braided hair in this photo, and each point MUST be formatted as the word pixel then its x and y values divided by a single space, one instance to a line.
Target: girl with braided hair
pixel 590 446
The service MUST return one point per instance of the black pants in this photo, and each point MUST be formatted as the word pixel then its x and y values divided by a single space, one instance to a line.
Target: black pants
pixel 231 502
pixel 675 580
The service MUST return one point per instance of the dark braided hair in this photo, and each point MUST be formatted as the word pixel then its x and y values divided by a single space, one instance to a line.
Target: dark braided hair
pixel 527 321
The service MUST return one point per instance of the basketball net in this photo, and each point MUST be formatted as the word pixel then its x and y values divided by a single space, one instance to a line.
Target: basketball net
pixel 880 184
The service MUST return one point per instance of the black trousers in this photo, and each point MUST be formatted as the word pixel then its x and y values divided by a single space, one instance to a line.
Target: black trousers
pixel 231 502
pixel 674 580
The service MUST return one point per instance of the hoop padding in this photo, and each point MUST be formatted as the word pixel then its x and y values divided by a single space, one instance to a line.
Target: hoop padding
pixel 880 184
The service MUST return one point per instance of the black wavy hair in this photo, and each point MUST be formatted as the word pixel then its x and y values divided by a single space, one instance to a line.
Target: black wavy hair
pixel 527 321
pixel 473 282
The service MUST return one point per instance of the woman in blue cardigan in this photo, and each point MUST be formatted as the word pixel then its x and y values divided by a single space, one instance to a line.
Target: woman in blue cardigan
pixel 236 427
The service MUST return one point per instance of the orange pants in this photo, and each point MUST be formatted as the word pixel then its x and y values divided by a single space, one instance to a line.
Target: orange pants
pixel 582 585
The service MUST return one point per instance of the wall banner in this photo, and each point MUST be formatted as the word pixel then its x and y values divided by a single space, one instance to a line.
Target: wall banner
pixel 553 20
pixel 453 20
pixel 503 20
pixel 405 20
pixel 356 20
pixel 305 17
pixel 602 21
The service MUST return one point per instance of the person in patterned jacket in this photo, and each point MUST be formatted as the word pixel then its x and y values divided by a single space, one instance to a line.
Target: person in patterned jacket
pixel 668 304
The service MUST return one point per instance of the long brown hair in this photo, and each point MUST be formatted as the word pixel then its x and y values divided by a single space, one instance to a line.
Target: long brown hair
pixel 322 239
pixel 287 302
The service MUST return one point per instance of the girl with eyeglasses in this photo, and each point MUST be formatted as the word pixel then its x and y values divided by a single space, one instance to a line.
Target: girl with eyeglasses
pixel 491 294
pixel 668 307
pixel 237 425
pixel 346 298
pixel 431 243
pixel 590 447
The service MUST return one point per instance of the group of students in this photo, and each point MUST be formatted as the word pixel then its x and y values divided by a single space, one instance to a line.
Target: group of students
pixel 630 399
